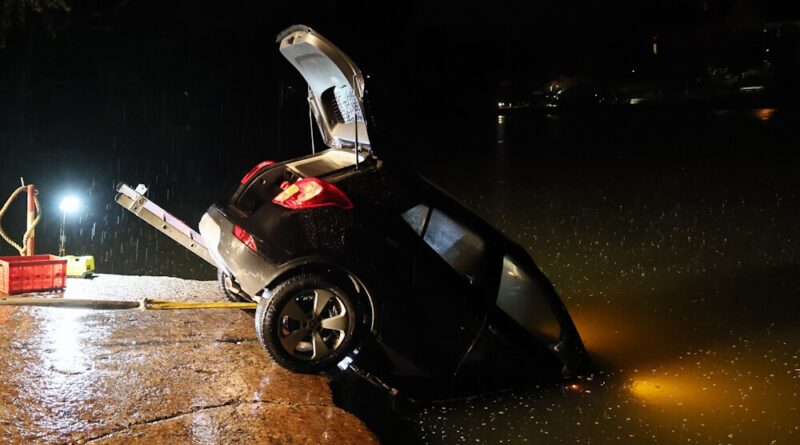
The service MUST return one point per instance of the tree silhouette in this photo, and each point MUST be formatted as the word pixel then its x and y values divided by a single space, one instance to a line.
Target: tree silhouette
pixel 15 12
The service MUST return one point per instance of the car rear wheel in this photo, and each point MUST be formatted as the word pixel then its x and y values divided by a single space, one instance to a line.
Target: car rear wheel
pixel 229 288
pixel 307 324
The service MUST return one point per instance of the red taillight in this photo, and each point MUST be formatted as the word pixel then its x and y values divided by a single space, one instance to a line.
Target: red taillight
pixel 255 170
pixel 312 192
pixel 244 237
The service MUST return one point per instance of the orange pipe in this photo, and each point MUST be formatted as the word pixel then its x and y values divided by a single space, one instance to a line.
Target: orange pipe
pixel 31 216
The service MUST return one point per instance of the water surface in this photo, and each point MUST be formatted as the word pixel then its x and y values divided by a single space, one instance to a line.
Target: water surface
pixel 672 239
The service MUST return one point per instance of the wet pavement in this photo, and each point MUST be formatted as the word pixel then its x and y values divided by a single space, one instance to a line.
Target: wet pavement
pixel 131 376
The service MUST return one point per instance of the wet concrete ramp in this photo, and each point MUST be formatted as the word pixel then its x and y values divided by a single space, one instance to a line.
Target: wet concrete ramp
pixel 130 376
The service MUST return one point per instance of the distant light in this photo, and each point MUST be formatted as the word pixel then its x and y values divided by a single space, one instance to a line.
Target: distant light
pixel 69 204
pixel 633 71
pixel 752 88
pixel 765 114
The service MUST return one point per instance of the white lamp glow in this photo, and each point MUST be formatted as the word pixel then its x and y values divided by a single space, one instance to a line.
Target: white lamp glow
pixel 69 204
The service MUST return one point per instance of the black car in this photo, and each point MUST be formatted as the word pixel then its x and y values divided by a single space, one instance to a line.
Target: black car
pixel 350 258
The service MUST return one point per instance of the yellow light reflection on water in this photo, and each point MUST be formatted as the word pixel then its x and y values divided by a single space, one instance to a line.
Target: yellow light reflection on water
pixel 669 390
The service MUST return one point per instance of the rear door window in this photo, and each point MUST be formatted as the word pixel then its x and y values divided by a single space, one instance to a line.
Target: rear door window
pixel 416 217
pixel 459 246
pixel 526 301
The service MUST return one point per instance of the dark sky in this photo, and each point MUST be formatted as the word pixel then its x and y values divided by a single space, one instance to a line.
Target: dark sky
pixel 151 72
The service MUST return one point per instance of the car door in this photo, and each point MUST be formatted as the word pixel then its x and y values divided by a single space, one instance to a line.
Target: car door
pixel 441 315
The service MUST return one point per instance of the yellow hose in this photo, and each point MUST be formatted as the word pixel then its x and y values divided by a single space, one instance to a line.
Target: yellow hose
pixel 158 305
pixel 24 247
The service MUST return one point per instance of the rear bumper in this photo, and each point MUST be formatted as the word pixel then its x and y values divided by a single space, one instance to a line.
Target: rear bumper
pixel 251 271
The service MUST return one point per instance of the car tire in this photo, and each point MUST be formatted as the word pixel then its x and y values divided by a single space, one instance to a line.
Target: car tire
pixel 299 335
pixel 222 282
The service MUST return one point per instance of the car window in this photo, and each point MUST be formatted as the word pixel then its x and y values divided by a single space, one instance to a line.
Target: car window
pixel 456 244
pixel 526 301
pixel 416 217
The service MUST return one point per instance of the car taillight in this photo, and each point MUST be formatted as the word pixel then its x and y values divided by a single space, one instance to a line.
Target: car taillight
pixel 312 192
pixel 255 170
pixel 244 237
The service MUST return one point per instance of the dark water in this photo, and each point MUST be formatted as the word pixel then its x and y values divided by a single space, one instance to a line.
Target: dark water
pixel 672 238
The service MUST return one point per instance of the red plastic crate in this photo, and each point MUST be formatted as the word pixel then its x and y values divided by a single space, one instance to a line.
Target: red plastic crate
pixel 19 274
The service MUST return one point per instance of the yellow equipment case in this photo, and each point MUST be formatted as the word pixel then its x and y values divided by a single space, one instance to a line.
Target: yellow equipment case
pixel 79 266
